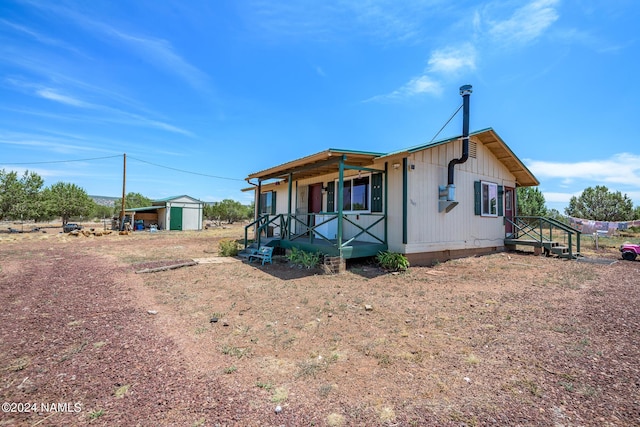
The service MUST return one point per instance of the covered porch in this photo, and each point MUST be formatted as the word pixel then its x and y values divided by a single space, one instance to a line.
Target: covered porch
pixel 335 227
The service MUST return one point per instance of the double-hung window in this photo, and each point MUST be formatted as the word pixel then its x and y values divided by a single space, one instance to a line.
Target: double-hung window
pixel 268 203
pixel 356 194
pixel 489 198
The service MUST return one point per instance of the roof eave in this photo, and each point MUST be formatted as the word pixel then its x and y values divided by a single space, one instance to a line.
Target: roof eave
pixel 317 160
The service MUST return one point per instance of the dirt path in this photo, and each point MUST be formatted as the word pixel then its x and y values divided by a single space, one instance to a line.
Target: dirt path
pixel 72 334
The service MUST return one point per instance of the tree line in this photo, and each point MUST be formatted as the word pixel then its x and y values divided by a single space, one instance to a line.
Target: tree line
pixel 595 203
pixel 25 198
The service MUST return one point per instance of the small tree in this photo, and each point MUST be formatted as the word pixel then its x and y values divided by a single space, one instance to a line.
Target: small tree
pixel 555 214
pixel 600 204
pixel 67 200
pixel 101 211
pixel 132 200
pixel 20 197
pixel 227 210
pixel 531 202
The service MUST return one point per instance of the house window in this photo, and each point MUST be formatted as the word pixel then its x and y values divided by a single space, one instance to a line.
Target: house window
pixel 268 203
pixel 489 199
pixel 356 194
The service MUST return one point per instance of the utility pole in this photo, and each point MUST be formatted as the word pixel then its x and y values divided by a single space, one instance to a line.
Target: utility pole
pixel 124 183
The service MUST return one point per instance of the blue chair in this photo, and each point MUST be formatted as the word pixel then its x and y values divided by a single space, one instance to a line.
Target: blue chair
pixel 264 253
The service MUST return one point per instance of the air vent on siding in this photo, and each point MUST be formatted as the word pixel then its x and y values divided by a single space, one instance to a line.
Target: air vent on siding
pixel 473 150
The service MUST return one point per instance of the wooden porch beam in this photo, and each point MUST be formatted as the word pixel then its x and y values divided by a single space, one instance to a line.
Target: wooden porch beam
pixel 290 172
pixel 361 168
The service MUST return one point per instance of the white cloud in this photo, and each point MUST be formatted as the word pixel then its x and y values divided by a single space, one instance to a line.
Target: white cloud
pixel 443 64
pixel 416 86
pixel 115 115
pixel 622 168
pixel 555 197
pixel 620 172
pixel 161 52
pixel 38 36
pixel 587 39
pixel 380 20
pixel 48 143
pixel 453 59
pixel 422 84
pixel 158 52
pixel 53 95
pixel 526 24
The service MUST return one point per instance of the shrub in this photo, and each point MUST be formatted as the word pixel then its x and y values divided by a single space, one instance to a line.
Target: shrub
pixel 228 248
pixel 392 261
pixel 300 258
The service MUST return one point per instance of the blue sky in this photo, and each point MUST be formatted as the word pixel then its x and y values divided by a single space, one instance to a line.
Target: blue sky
pixel 225 88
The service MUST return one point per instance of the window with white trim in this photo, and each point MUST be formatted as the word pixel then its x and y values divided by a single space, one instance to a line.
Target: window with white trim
pixel 356 194
pixel 489 198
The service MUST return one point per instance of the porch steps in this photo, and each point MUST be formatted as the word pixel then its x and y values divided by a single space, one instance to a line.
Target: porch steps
pixel 555 248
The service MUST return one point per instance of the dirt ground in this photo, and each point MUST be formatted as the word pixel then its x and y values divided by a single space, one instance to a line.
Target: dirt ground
pixel 509 339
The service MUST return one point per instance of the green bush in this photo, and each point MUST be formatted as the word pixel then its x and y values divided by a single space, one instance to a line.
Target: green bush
pixel 392 261
pixel 304 259
pixel 228 248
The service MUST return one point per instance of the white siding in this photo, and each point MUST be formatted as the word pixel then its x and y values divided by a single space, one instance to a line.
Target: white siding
pixel 162 219
pixel 191 213
pixel 394 205
pixel 430 230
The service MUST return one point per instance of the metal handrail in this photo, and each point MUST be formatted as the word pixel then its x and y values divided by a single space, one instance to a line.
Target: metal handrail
pixel 534 227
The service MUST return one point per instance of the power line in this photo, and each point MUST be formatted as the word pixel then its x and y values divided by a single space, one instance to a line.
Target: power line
pixel 185 171
pixel 61 161
pixel 119 155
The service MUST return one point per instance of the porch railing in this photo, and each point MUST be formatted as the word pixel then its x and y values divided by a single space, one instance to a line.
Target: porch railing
pixel 262 224
pixel 311 227
pixel 546 232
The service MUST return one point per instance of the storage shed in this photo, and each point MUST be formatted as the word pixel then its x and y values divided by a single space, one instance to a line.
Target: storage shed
pixel 171 213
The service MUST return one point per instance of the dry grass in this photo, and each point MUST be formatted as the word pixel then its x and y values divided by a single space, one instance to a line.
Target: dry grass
pixel 504 337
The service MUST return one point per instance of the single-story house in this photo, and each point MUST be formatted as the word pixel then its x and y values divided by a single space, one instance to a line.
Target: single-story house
pixel 172 213
pixel 451 198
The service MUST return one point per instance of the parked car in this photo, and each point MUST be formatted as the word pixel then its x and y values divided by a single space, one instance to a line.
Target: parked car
pixel 630 251
pixel 70 226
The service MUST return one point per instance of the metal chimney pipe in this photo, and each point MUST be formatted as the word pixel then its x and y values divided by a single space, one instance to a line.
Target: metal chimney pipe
pixel 465 91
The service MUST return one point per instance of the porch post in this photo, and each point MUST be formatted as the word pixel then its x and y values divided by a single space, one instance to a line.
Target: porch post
pixel 405 200
pixel 340 202
pixel 288 236
pixel 256 236
pixel 384 196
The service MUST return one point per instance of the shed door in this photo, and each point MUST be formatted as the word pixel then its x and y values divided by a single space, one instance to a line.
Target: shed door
pixel 175 223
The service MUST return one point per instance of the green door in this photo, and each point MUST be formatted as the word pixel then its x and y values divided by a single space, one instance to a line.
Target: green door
pixel 175 222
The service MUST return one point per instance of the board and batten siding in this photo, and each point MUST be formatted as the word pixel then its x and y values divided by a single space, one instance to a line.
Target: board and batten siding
pixel 394 205
pixel 430 230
